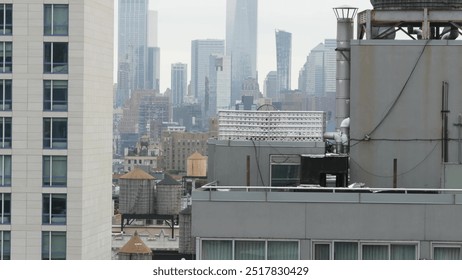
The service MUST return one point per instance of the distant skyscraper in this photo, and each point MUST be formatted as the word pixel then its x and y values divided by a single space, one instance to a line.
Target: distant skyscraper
pixel 318 74
pixel 200 57
pixel 318 79
pixel 179 83
pixel 241 42
pixel 153 55
pixel 270 88
pixel 284 59
pixel 136 62
pixel 153 70
pixel 219 84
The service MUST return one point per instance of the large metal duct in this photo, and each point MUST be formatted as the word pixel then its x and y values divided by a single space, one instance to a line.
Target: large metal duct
pixel 345 18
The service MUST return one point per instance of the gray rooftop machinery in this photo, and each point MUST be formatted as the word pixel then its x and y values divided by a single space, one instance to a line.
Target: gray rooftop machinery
pixel 414 4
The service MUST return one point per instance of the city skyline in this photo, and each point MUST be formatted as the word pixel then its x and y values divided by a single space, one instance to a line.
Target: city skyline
pixel 309 22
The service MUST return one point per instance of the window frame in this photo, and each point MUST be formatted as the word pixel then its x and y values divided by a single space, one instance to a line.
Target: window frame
pixel 49 126
pixel 5 130
pixel 2 245
pixel 445 245
pixel 291 160
pixel 5 65
pixel 49 253
pixel 5 179
pixel 50 66
pixel 4 25
pixel 6 87
pixel 49 215
pixel 233 245
pixel 53 180
pixel 362 243
pixel 5 214
pixel 49 102
pixel 51 26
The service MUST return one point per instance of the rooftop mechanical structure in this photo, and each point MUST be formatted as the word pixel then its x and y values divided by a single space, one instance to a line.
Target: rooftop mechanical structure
pixel 419 20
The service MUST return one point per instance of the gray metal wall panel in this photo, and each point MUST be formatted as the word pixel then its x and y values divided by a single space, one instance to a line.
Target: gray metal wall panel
pixel 379 71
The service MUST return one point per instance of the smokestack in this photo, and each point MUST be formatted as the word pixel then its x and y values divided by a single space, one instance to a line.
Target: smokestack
pixel 345 19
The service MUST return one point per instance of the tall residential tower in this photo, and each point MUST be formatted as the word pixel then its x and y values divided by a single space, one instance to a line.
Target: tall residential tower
pixel 56 119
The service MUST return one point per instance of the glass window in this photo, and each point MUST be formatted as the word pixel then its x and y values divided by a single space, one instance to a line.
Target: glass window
pixel 5 95
pixel 446 253
pixel 54 170
pixel 5 132
pixel 6 19
pixel 321 251
pixel 217 250
pixel 55 57
pixel 282 250
pixel 55 133
pixel 56 19
pixel 6 57
pixel 54 209
pixel 249 250
pixel 54 95
pixel 375 252
pixel 345 250
pixel 403 252
pixel 285 170
pixel 5 208
pixel 53 245
pixel 5 245
pixel 5 170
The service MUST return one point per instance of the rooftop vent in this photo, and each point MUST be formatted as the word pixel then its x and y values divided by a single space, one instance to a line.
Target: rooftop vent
pixel 416 5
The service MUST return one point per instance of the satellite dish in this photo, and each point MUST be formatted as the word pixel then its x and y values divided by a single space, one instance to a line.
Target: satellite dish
pixel 267 107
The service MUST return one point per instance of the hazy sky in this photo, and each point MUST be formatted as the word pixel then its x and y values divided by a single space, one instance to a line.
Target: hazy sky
pixel 309 21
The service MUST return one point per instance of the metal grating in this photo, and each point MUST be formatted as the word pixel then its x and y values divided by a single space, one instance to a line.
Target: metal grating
pixel 287 126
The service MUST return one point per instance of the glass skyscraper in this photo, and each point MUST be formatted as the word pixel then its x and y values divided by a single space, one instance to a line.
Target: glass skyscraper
pixel 200 58
pixel 132 47
pixel 179 83
pixel 284 59
pixel 241 42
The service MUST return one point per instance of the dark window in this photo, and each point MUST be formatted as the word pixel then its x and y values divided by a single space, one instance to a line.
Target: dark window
pixel 54 171
pixel 5 170
pixel 5 245
pixel 55 133
pixel 5 208
pixel 5 95
pixel 55 57
pixel 6 57
pixel 54 95
pixel 56 19
pixel 6 19
pixel 5 132
pixel 53 245
pixel 54 209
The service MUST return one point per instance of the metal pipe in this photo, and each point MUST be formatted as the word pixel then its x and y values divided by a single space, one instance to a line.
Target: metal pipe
pixel 395 173
pixel 444 116
pixel 345 30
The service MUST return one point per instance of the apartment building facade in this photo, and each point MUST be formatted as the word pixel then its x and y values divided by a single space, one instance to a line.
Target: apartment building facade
pixel 56 122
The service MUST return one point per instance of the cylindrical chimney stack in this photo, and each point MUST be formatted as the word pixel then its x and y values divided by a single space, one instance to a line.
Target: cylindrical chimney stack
pixel 345 19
